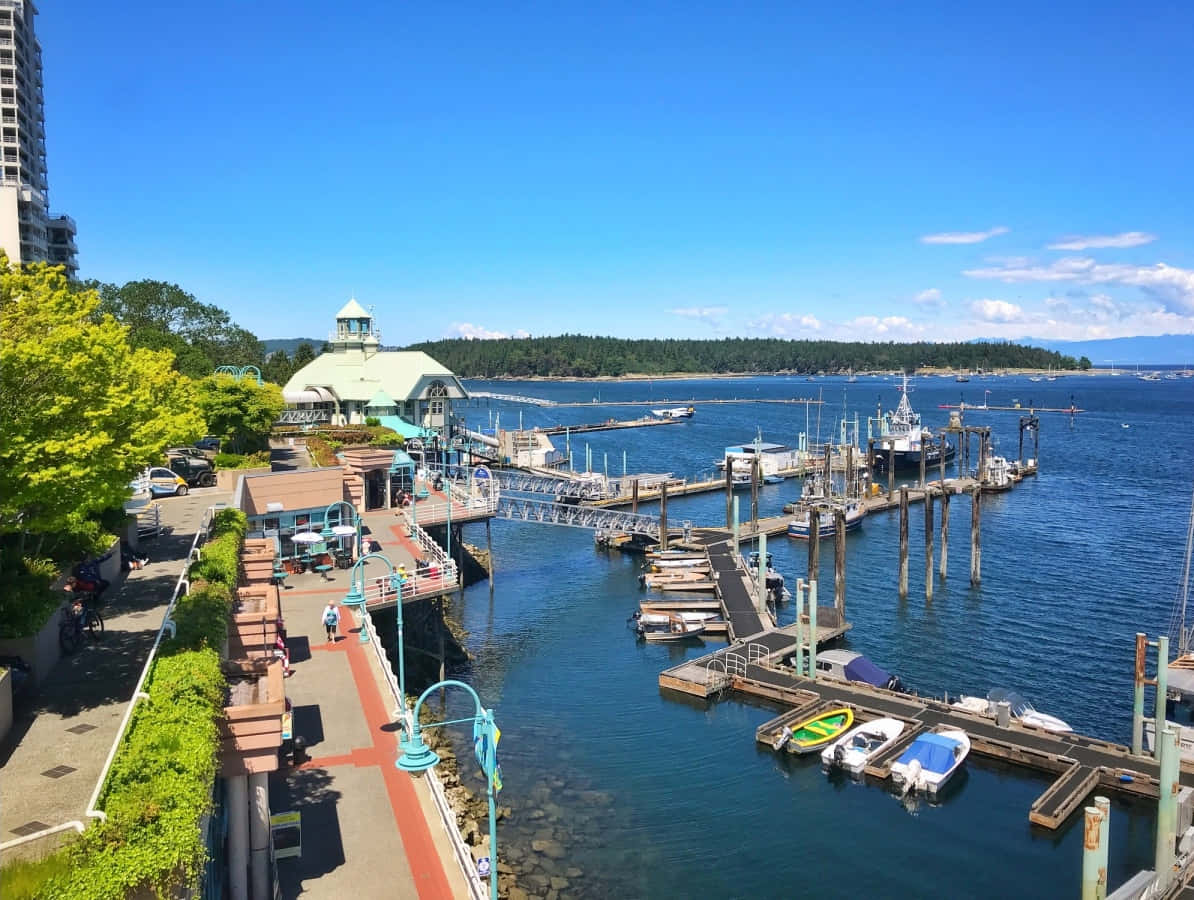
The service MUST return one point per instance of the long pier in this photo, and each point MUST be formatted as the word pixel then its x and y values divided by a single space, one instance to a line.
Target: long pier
pixel 652 402
pixel 608 425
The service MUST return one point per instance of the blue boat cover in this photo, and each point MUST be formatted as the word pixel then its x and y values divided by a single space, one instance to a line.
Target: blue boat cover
pixel 934 752
pixel 862 669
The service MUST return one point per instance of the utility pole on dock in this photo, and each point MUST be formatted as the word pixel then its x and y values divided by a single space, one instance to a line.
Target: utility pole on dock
pixel 729 490
pixel 839 565
pixel 814 543
pixel 663 514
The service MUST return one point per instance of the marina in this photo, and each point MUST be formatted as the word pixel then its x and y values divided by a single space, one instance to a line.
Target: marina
pixel 937 646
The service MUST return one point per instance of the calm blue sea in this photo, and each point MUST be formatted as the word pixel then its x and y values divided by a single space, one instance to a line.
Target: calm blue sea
pixel 645 795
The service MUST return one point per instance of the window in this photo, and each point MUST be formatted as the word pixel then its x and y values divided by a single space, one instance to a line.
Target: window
pixel 437 392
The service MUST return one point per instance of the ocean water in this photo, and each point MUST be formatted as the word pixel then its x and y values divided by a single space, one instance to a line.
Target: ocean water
pixel 630 792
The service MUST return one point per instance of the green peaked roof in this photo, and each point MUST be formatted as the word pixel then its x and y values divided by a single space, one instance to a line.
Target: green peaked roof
pixel 353 310
pixel 381 398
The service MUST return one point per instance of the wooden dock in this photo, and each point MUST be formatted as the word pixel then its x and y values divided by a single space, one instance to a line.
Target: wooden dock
pixel 1082 764
pixel 608 425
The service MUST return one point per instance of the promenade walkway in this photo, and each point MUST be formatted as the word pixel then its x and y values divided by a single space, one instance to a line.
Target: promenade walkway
pixel 368 829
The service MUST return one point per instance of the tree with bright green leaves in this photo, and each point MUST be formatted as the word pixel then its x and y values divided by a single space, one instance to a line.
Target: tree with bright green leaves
pixel 164 316
pixel 241 412
pixel 83 411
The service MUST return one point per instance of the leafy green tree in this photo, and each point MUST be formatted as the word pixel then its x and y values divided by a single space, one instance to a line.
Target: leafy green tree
pixel 241 412
pixel 303 354
pixel 83 411
pixel 278 368
pixel 162 316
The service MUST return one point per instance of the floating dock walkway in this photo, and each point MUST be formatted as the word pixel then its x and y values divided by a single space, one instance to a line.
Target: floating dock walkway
pixel 1081 763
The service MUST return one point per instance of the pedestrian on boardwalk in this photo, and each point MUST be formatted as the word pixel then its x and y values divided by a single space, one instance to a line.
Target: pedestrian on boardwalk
pixel 331 620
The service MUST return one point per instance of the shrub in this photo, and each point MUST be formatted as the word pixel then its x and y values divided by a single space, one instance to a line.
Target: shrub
pixel 372 420
pixel 321 451
pixel 27 601
pixel 242 461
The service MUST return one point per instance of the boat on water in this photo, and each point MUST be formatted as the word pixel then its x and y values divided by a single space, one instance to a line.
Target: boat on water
pixel 930 761
pixel 910 439
pixel 846 665
pixel 816 731
pixel 772 459
pixel 998 475
pixel 1023 711
pixel 774 479
pixel 675 412
pixel 678 580
pixel 666 627
pixel 800 525
pixel 856 748
pixel 777 592
pixel 1180 672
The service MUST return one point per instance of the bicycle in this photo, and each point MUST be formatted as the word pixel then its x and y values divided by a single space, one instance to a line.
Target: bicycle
pixel 77 617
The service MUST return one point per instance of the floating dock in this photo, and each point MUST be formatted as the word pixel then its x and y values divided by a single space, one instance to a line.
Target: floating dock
pixel 1081 763
pixel 608 425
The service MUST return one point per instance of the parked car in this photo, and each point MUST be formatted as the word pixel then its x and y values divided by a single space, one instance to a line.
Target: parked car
pixel 197 471
pixel 211 442
pixel 165 483
pixel 193 452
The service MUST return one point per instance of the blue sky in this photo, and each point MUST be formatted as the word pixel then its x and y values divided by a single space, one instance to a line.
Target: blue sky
pixel 818 170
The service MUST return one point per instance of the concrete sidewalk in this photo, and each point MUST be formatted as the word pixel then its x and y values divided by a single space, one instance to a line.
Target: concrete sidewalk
pixel 369 830
pixel 52 758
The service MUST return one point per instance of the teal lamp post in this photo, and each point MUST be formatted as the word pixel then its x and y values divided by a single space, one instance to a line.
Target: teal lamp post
pixel 350 518
pixel 356 598
pixel 418 757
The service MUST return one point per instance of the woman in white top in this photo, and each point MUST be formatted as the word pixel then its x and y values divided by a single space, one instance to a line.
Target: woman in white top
pixel 331 619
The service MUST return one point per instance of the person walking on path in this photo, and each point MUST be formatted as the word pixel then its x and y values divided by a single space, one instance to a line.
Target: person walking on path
pixel 331 620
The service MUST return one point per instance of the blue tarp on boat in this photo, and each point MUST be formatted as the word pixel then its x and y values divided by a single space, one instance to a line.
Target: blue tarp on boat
pixel 934 752
pixel 862 669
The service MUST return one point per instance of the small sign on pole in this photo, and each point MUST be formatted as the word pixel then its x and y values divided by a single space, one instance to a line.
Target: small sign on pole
pixel 286 832
pixel 483 867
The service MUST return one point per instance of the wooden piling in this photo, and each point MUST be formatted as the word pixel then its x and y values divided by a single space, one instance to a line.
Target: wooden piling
pixel 870 455
pixel 976 547
pixel 814 543
pixel 827 471
pixel 839 563
pixel 634 498
pixel 903 542
pixel 944 530
pixel 890 469
pixel 928 545
pixel 924 445
pixel 663 515
pixel 849 470
pixel 941 462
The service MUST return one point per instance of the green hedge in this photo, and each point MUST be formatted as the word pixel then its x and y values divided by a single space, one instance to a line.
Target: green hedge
pixel 161 781
pixel 242 461
pixel 26 603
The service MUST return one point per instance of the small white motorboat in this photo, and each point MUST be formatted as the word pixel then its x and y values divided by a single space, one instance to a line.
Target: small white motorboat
pixel 854 750
pixel 675 412
pixel 1021 710
pixel 667 627
pixel 930 760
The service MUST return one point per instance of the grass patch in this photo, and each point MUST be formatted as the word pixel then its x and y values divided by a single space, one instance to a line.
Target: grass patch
pixel 25 879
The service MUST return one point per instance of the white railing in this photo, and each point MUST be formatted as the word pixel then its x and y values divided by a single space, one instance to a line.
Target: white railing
pixel 379 590
pixel 427 544
pixel 478 889
pixel 180 587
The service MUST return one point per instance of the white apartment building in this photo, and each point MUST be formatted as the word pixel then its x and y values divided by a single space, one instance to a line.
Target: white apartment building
pixel 28 231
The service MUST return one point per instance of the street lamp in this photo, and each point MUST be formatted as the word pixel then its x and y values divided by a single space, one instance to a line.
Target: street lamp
pixel 418 757
pixel 356 598
pixel 327 533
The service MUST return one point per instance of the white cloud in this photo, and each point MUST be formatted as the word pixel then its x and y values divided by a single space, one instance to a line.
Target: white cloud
pixel 478 332
pixel 997 311
pixel 930 297
pixel 1096 241
pixel 963 237
pixel 706 313
pixel 1173 286
pixel 785 325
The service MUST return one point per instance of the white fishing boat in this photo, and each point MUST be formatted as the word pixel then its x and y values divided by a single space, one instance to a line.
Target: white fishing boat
pixel 909 440
pixel 997 475
pixel 664 627
pixel 930 761
pixel 1180 671
pixel 675 412
pixel 800 524
pixel 1022 711
pixel 855 749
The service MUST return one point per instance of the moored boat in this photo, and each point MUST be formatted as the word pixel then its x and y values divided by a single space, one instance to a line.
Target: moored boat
pixel 1020 708
pixel 675 412
pixel 909 439
pixel 930 761
pixel 673 627
pixel 816 731
pixel 853 750
pixel 800 525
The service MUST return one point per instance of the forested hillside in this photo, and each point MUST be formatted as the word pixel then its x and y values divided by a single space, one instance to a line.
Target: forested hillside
pixel 587 357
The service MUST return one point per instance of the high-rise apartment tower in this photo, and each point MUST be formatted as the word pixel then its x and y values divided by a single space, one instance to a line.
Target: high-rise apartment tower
pixel 28 232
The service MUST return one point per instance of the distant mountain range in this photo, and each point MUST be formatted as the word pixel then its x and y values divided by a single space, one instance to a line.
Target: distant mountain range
pixel 1161 350
pixel 290 344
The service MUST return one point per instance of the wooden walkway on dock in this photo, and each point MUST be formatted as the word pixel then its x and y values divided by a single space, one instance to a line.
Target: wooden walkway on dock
pixel 1081 763
pixel 608 425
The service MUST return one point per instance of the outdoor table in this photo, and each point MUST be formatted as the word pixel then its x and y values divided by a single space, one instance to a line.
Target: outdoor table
pixel 279 576
pixel 323 570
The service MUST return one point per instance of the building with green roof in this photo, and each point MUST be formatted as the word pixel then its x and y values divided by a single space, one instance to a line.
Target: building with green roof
pixel 355 378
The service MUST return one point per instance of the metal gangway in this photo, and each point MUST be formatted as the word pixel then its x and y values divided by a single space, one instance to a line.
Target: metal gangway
pixel 510 398
pixel 576 515
pixel 554 485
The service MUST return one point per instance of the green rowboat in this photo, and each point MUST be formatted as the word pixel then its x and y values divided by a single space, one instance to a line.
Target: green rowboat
pixel 816 731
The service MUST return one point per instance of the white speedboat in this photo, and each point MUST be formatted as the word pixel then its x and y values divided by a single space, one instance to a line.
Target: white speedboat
pixel 855 749
pixel 1023 711
pixel 659 627
pixel 675 412
pixel 930 760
